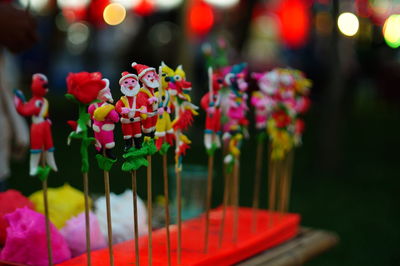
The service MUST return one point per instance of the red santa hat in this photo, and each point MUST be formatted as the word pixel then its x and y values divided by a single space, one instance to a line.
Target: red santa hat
pixel 126 75
pixel 142 69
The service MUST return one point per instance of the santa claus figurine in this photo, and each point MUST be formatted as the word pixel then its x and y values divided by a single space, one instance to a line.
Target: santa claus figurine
pixel 130 110
pixel 37 108
pixel 104 117
pixel 146 97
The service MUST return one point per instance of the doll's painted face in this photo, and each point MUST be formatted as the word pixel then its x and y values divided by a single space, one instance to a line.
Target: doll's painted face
pixel 130 87
pixel 150 79
pixel 39 85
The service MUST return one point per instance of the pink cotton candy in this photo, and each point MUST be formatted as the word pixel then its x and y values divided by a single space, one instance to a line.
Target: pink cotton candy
pixel 74 233
pixel 9 201
pixel 26 240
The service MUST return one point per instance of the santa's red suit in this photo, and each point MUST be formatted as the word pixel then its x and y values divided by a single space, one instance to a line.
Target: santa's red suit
pixel 213 113
pixel 150 81
pixel 130 121
pixel 37 107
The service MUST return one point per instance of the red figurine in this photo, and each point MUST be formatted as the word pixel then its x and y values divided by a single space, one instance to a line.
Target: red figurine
pixel 37 108
pixel 146 97
pixel 130 110
pixel 211 103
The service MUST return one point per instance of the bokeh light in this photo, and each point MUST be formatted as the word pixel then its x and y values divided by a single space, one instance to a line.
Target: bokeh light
pixel 72 3
pixel 201 18
pixel 223 3
pixel 391 30
pixel 34 5
pixel 348 24
pixel 114 14
pixel 128 4
pixel 294 17
pixel 167 4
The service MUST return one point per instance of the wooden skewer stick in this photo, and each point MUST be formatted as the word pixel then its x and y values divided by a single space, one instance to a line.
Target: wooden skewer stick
pixel 135 217
pixel 235 193
pixel 106 175
pixel 167 219
pixel 289 180
pixel 257 181
pixel 283 176
pixel 179 216
pixel 150 212
pixel 87 217
pixel 208 200
pixel 224 206
pixel 272 188
pixel 46 214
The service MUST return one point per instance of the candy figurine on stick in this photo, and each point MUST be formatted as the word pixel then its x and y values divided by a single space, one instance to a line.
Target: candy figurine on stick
pixel 263 101
pixel 37 108
pixel 83 88
pixel 211 103
pixel 235 129
pixel 104 117
pixel 42 148
pixel 132 113
pixel 184 112
pixel 146 97
pixel 284 129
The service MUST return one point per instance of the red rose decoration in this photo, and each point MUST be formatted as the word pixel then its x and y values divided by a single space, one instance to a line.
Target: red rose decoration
pixel 11 200
pixel 299 127
pixel 281 119
pixel 85 86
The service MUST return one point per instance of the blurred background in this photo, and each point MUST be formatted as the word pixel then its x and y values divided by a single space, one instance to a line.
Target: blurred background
pixel 346 174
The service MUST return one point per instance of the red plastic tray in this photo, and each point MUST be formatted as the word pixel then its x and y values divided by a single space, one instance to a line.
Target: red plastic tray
pixel 283 228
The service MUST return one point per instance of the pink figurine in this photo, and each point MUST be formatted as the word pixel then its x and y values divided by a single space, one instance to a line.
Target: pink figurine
pixel 130 111
pixel 104 117
pixel 237 100
pixel 263 100
pixel 37 108
pixel 146 97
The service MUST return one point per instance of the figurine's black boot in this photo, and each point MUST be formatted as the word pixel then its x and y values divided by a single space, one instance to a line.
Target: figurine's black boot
pixel 99 151
pixel 128 144
pixel 110 154
pixel 138 142
pixel 151 134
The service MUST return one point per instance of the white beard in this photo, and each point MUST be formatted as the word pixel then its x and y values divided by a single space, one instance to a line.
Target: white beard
pixel 127 92
pixel 155 84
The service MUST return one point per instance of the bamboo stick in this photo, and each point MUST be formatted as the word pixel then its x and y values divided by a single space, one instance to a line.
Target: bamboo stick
pixel 46 214
pixel 208 200
pixel 150 212
pixel 135 217
pixel 224 206
pixel 236 176
pixel 106 175
pixel 256 188
pixel 167 218
pixel 179 217
pixel 87 217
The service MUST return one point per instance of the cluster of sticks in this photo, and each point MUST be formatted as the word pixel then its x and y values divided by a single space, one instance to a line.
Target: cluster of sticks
pixel 281 98
pixel 154 111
